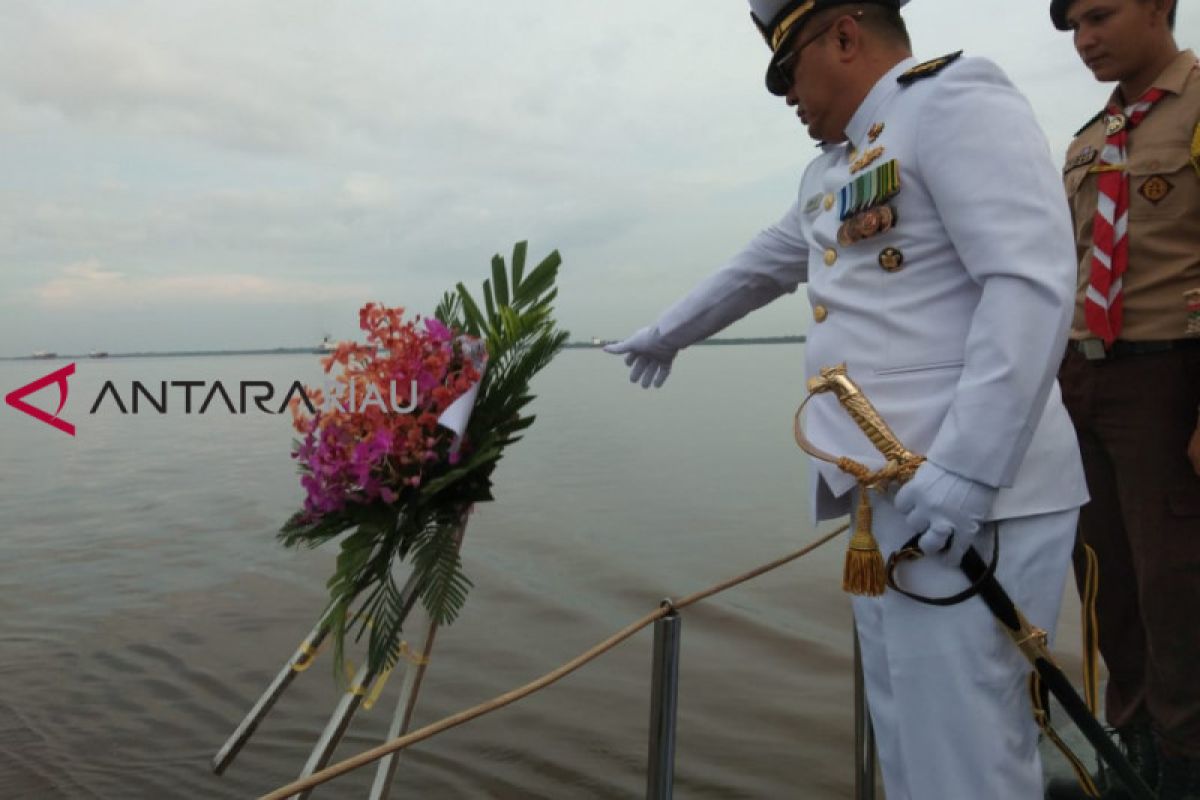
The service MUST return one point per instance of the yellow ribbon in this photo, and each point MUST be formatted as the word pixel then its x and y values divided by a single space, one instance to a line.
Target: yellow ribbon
pixel 308 654
pixel 370 696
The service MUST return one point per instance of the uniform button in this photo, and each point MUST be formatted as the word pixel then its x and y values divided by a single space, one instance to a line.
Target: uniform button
pixel 820 313
pixel 828 202
pixel 830 257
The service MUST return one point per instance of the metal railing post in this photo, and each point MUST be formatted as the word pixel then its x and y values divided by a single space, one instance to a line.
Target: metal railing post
pixel 664 691
pixel 864 734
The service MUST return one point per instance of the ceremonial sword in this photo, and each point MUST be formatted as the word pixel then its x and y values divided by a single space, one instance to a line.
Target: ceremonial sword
pixel 1031 641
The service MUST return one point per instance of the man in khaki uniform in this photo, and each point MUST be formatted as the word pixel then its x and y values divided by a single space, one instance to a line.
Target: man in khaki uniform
pixel 1131 376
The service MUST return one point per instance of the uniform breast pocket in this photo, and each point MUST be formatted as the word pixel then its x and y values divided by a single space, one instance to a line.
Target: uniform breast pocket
pixel 1162 183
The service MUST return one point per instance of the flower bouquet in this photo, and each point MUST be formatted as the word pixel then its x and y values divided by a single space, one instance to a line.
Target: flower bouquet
pixel 405 441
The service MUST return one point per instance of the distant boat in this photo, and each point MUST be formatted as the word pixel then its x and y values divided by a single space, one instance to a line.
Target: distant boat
pixel 98 354
pixel 44 354
pixel 327 346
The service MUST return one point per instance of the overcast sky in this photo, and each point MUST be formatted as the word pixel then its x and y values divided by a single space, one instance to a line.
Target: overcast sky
pixel 246 173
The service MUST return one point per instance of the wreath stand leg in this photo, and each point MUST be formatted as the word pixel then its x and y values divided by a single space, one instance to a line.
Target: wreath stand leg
pixel 352 699
pixel 412 666
pixel 301 660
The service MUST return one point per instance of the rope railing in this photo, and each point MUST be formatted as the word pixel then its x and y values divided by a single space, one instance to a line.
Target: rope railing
pixel 597 650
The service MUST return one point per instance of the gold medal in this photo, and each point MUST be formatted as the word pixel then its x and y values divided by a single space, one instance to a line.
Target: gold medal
pixel 887 219
pixel 869 223
pixel 844 237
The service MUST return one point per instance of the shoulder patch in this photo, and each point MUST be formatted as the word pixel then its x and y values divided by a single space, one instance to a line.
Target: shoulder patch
pixel 931 67
pixel 1090 122
pixel 1085 156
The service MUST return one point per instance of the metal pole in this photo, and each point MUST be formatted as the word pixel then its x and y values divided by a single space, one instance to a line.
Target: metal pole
pixel 864 734
pixel 664 691
pixel 413 673
pixel 300 660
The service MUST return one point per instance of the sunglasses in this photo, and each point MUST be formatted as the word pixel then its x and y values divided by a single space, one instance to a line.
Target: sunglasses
pixel 784 69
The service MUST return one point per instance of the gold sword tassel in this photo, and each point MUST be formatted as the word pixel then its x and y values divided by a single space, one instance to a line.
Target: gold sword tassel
pixel 863 572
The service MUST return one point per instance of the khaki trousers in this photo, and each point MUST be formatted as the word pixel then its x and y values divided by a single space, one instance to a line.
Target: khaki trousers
pixel 1134 416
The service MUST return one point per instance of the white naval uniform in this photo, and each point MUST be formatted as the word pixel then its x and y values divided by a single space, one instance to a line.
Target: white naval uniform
pixel 957 350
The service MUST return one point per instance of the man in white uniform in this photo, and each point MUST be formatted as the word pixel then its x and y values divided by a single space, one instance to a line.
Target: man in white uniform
pixel 935 239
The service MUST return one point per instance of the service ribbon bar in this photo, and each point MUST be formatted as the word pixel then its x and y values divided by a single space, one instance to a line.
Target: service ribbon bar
pixel 869 190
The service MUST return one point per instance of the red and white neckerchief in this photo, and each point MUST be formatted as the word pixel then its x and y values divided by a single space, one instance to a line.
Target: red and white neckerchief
pixel 1110 244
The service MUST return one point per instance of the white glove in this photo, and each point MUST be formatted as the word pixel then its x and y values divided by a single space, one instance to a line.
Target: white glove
pixel 939 504
pixel 769 266
pixel 646 353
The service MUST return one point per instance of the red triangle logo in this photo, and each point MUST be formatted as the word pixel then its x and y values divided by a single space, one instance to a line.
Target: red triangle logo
pixel 59 377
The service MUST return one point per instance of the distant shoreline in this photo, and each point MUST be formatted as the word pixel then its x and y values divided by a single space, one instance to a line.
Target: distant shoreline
pixel 288 351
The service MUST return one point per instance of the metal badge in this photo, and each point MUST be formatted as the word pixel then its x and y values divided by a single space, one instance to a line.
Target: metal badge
pixel 875 130
pixel 1085 156
pixel 813 204
pixel 891 259
pixel 866 159
pixel 1115 124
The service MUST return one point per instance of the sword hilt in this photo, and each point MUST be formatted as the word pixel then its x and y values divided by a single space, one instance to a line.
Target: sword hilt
pixel 837 381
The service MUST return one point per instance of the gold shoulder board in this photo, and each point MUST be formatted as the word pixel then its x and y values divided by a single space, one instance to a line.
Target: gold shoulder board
pixel 931 67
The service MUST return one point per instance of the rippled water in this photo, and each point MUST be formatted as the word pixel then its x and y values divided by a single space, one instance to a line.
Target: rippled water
pixel 146 605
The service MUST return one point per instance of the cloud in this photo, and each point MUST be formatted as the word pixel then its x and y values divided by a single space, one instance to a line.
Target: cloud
pixel 88 284
pixel 366 191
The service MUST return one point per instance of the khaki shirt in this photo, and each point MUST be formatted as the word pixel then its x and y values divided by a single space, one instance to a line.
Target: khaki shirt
pixel 1162 279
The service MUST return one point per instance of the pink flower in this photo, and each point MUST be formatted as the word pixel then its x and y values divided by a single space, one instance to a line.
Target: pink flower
pixel 348 456
pixel 437 331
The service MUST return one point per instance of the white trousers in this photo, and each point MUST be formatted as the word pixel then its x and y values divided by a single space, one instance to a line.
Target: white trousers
pixel 947 688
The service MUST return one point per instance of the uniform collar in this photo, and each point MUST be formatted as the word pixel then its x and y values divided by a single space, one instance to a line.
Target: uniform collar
pixel 1172 79
pixel 869 108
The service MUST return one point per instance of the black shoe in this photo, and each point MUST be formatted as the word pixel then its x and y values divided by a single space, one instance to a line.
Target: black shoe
pixel 1180 779
pixel 1137 743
